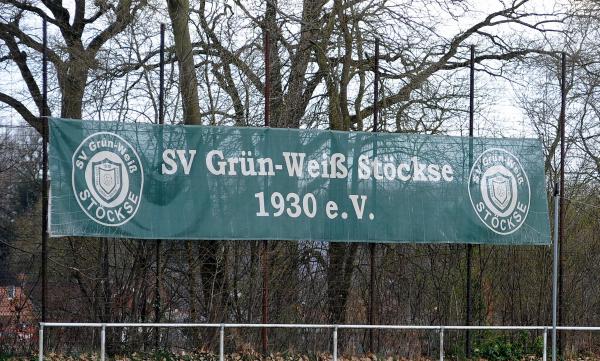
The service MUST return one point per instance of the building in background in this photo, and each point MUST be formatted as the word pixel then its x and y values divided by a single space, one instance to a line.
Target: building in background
pixel 17 317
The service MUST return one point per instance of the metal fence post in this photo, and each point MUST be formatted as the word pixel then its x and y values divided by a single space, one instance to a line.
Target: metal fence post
pixel 555 259
pixel 41 343
pixel 222 343
pixel 442 343
pixel 102 342
pixel 335 336
pixel 545 354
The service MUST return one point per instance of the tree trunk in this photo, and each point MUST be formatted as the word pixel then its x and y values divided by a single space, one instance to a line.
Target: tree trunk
pixel 341 255
pixel 211 273
pixel 72 82
pixel 179 13
pixel 278 120
pixel 339 279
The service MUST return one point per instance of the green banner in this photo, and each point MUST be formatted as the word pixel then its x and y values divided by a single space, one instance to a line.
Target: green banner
pixel 133 180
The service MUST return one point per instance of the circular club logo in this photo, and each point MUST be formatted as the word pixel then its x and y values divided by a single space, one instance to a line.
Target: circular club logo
pixel 108 178
pixel 499 191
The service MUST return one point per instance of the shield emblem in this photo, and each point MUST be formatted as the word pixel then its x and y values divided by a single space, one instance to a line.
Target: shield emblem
pixel 499 190
pixel 107 179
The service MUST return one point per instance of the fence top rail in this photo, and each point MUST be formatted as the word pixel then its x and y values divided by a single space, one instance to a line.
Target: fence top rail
pixel 578 328
pixel 313 326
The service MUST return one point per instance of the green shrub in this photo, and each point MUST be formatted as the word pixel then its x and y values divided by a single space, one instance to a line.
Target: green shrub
pixel 503 347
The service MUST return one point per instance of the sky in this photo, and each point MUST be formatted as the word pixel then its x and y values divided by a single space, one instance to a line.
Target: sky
pixel 502 116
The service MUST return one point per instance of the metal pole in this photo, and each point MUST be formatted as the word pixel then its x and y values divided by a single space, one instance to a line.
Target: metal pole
pixel 442 343
pixel 265 295
pixel 265 243
pixel 471 90
pixel 372 251
pixel 44 122
pixel 372 246
pixel 335 342
pixel 161 121
pixel 102 342
pixel 41 343
pixel 105 283
pixel 469 246
pixel 161 89
pixel 376 87
pixel 545 352
pixel 561 236
pixel 555 269
pixel 267 86
pixel 222 344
